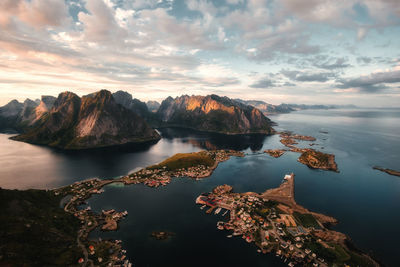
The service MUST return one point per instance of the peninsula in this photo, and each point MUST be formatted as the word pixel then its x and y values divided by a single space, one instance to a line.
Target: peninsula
pixel 388 171
pixel 273 220
pixel 310 157
pixel 195 165
pixel 276 223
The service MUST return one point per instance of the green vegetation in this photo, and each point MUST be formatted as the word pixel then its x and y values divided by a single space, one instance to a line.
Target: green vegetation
pixel 341 253
pixel 322 157
pixel 35 231
pixel 185 160
pixel 307 220
pixel 328 254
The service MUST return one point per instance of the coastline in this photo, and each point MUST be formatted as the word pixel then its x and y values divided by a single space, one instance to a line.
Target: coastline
pixel 81 191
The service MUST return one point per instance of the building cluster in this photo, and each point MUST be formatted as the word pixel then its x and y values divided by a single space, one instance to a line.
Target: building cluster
pixel 265 223
pixel 155 177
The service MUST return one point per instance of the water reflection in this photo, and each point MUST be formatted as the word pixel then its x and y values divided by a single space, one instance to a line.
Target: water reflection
pixel 30 166
pixel 212 141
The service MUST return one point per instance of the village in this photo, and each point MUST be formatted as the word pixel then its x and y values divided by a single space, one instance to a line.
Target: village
pixel 109 252
pixel 273 226
pixel 161 174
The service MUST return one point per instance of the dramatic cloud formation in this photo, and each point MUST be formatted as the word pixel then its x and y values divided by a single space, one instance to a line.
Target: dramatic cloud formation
pixel 301 51
pixel 373 82
pixel 308 77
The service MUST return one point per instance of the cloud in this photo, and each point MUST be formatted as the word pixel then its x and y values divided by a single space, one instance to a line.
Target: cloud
pixel 263 83
pixel 365 60
pixel 361 33
pixel 308 77
pixel 100 24
pixel 339 63
pixel 373 82
pixel 289 84
pixel 35 13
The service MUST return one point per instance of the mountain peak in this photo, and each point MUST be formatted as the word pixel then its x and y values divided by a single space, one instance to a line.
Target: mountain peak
pixel 213 113
pixel 95 120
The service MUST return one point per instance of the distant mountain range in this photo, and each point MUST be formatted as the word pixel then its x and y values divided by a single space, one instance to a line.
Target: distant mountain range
pixel 105 119
pixel 269 109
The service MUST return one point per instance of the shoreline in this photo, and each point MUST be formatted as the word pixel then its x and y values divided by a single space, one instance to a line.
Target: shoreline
pixel 83 190
pixel 276 223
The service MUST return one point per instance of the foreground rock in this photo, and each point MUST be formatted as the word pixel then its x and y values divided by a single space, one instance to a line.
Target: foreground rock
pixel 388 171
pixel 213 114
pixel 318 160
pixel 95 120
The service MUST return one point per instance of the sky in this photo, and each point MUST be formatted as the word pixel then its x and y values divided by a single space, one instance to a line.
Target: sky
pixel 286 51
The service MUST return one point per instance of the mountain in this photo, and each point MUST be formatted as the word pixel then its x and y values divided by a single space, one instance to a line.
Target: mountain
pixel 95 120
pixel 213 113
pixel 153 106
pixel 137 106
pixel 19 116
pixel 318 106
pixel 14 114
pixel 125 99
pixel 286 108
pixel 267 108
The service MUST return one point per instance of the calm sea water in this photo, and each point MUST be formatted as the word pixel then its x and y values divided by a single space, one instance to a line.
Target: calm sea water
pixel 366 201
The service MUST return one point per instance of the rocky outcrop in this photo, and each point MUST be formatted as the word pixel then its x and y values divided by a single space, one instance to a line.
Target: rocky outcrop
pixel 213 114
pixel 276 153
pixel 318 160
pixel 153 106
pixel 95 120
pixel 388 171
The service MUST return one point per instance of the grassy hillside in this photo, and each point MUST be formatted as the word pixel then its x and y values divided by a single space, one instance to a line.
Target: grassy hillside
pixel 185 160
pixel 35 231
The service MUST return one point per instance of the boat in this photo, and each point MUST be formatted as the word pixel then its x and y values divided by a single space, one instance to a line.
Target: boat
pixel 229 236
pixel 202 207
pixel 217 210
pixel 225 213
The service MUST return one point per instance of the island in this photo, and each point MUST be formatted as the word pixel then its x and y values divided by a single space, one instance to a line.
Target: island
pixel 388 171
pixel 276 153
pixel 318 160
pixel 162 235
pixel 312 158
pixel 274 222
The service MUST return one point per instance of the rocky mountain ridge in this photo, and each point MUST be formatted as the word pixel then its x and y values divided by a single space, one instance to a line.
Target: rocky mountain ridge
pixel 213 113
pixel 95 120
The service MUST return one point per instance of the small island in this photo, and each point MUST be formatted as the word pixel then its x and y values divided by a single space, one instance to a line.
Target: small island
pixel 276 153
pixel 318 160
pixel 274 222
pixel 388 171
pixel 310 157
pixel 162 235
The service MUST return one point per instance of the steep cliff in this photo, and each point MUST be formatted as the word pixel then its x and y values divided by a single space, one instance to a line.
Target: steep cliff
pixel 95 120
pixel 213 113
